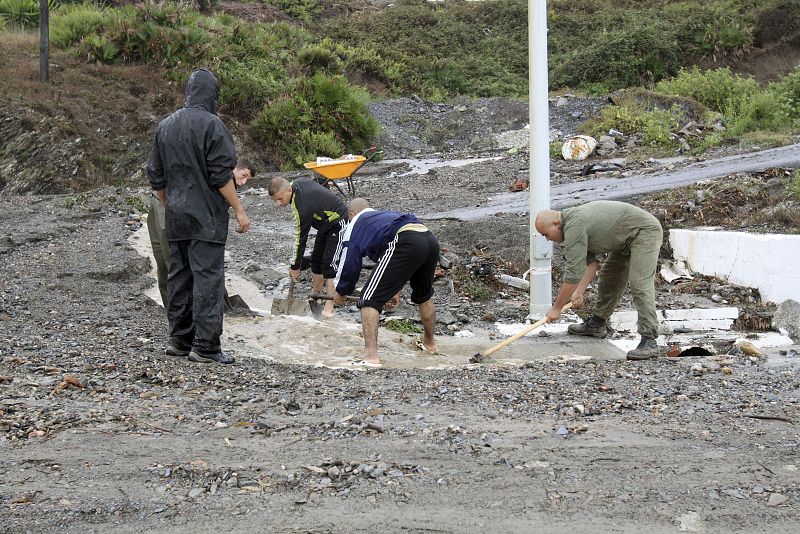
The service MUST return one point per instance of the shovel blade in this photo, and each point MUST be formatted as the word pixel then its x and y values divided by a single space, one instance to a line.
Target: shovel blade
pixel 234 304
pixel 316 307
pixel 289 307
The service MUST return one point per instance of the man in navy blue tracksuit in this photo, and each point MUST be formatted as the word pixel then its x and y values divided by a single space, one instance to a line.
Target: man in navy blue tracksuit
pixel 404 251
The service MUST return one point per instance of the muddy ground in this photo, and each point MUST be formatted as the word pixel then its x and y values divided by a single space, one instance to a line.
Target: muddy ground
pixel 101 432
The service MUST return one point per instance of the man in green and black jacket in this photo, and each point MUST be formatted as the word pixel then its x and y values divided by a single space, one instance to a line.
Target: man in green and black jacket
pixel 313 206
pixel 632 238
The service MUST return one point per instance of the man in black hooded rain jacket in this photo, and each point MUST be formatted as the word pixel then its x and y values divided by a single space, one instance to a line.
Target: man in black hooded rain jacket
pixel 191 170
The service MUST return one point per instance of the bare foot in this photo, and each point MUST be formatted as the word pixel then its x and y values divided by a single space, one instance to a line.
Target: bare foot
pixel 431 348
pixel 328 313
pixel 369 359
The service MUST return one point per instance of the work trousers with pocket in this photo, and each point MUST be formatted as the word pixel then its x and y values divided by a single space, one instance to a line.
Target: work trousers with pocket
pixel 196 287
pixel 157 230
pixel 636 267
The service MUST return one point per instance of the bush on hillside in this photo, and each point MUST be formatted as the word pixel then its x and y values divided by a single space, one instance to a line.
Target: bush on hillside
pixel 74 21
pixel 720 89
pixel 787 92
pixel 302 10
pixel 23 13
pixel 255 64
pixel 317 58
pixel 632 115
pixel 98 48
pixel 318 116
pixel 747 110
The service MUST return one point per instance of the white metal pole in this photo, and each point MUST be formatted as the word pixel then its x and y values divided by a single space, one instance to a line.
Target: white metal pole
pixel 541 249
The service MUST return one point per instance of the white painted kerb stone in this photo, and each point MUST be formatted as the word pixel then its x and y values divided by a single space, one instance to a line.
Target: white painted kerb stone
pixel 768 262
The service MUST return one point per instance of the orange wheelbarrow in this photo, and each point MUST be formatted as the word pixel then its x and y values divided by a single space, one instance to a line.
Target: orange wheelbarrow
pixel 345 167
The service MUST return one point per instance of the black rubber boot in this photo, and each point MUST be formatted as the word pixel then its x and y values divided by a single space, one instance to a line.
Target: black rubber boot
pixel 219 357
pixel 648 348
pixel 593 326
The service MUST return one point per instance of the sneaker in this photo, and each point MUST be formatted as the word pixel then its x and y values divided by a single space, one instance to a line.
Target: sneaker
pixel 593 326
pixel 648 348
pixel 219 357
pixel 173 350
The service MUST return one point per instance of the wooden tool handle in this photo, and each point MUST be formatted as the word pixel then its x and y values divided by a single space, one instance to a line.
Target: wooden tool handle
pixel 524 331
pixel 290 293
pixel 349 298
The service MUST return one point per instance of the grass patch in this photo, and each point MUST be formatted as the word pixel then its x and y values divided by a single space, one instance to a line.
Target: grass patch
pixel 793 184
pixel 403 326
pixel 479 292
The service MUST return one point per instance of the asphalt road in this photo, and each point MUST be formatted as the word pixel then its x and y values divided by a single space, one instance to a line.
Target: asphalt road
pixel 565 195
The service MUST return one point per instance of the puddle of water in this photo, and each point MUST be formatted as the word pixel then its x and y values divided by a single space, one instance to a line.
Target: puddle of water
pixel 333 343
pixel 236 285
pixel 423 166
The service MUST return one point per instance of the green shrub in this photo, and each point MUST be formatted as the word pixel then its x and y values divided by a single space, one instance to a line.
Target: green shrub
pixel 158 34
pixel 23 13
pixel 245 86
pixel 73 22
pixel 3 25
pixel 658 125
pixel 302 10
pixel 98 48
pixel 655 125
pixel 368 63
pixel 719 89
pixel 318 116
pixel 761 111
pixel 787 92
pixel 316 58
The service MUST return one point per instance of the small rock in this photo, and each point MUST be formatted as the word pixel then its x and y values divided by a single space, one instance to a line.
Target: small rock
pixel 787 319
pixel 748 348
pixel 733 493
pixel 776 499
pixel 196 492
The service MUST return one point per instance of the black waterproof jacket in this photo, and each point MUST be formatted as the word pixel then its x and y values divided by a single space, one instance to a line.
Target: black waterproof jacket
pixel 193 156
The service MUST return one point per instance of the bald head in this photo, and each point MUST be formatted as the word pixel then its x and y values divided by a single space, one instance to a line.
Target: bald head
pixel 277 185
pixel 548 223
pixel 356 206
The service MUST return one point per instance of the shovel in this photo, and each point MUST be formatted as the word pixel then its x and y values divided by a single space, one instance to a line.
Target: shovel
pixel 235 305
pixel 315 302
pixel 479 357
pixel 288 306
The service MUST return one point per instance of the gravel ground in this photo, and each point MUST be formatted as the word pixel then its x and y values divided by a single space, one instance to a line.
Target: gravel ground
pixel 100 432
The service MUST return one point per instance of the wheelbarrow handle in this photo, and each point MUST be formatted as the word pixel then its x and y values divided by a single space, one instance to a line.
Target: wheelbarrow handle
pixel 371 152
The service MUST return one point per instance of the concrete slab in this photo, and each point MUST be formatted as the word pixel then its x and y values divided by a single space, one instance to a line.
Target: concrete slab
pixel 764 261
pixel 695 319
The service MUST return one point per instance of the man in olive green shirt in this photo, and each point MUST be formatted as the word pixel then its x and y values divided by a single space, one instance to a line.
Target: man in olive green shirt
pixel 632 238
